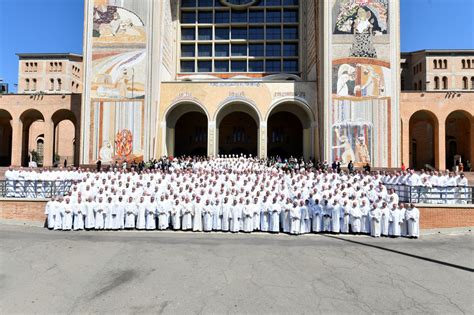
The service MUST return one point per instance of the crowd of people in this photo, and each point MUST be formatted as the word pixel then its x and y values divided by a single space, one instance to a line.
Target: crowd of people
pixel 233 194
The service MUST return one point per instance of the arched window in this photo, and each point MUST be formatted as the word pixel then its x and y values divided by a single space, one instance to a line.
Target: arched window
pixel 465 83
pixel 27 85
pixel 445 63
pixel 469 64
pixel 51 67
pixel 59 85
pixel 472 83
pixel 445 83
pixel 463 64
pixel 435 64
pixel 440 64
pixel 27 67
pixel 436 80
pixel 416 87
pixel 51 87
pixel 55 66
pixel 34 85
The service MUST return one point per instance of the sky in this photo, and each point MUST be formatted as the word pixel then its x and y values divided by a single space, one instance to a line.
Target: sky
pixel 34 26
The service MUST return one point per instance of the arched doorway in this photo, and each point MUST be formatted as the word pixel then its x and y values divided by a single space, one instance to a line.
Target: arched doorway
pixel 423 125
pixel 6 138
pixel 237 129
pixel 289 131
pixel 29 117
pixel 186 130
pixel 65 133
pixel 458 137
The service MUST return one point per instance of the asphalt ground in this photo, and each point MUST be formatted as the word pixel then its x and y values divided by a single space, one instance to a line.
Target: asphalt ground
pixel 44 271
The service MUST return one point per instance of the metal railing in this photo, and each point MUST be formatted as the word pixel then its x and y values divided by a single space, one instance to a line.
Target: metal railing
pixel 34 188
pixel 434 195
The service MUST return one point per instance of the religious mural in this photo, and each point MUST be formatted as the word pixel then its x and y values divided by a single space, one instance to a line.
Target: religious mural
pixel 361 83
pixel 118 76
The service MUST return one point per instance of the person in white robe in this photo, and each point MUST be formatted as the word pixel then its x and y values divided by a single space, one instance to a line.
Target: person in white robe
pixel 50 212
pixel 247 213
pixel 412 216
pixel 110 214
pixel 328 211
pixel 264 215
pixel 216 215
pixel 396 220
pixel 235 217
pixel 462 191
pixel 67 210
pixel 90 213
pixel 295 219
pixel 119 220
pixel 305 217
pixel 58 217
pixel 365 220
pixel 151 213
pixel 345 216
pixel 226 214
pixel 375 218
pixel 356 216
pixel 285 217
pixel 451 189
pixel 337 212
pixel 207 213
pixel 256 214
pixel 274 209
pixel 79 215
pixel 384 221
pixel 197 215
pixel 99 210
pixel 316 217
pixel 163 210
pixel 187 222
pixel 176 211
pixel 131 211
pixel 141 214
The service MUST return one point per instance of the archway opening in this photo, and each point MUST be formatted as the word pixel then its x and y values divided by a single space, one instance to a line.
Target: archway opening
pixel 191 135
pixel 458 137
pixel 6 133
pixel 238 134
pixel 64 144
pixel 28 118
pixel 422 139
pixel 285 135
pixel 186 130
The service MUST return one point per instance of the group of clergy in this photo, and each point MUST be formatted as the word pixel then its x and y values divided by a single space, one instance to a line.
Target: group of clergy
pixel 234 195
pixel 430 187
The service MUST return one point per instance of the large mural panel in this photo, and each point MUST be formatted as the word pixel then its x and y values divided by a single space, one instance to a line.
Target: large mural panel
pixel 361 107
pixel 118 78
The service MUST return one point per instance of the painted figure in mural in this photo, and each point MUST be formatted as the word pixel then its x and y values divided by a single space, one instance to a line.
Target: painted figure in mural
pixel 344 143
pixel 362 151
pixel 345 78
pixel 124 143
pixel 106 152
pixel 364 19
pixel 372 85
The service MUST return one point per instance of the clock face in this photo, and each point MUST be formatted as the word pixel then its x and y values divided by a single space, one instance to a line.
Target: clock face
pixel 239 4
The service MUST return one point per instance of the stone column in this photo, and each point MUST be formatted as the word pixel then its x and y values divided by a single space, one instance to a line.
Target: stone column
pixel 211 138
pixel 405 144
pixel 48 143
pixel 262 140
pixel 440 146
pixel 17 139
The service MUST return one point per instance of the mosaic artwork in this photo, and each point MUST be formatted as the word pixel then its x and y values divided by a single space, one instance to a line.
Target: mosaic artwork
pixel 363 19
pixel 359 79
pixel 120 132
pixel 119 52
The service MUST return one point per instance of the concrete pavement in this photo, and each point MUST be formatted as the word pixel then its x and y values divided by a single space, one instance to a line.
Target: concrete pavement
pixel 185 273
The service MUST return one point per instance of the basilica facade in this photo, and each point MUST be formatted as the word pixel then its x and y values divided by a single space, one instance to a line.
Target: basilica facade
pixel 304 78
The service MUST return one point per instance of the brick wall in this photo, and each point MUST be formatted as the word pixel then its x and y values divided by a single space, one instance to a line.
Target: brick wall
pixel 452 217
pixel 431 217
pixel 22 210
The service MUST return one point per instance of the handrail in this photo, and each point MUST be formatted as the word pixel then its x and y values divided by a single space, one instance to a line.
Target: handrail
pixel 34 188
pixel 434 194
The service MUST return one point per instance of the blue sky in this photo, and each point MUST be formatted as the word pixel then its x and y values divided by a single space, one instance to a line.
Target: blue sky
pixel 56 26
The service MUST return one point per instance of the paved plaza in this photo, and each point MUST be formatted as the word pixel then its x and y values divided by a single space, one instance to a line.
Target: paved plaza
pixel 185 273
